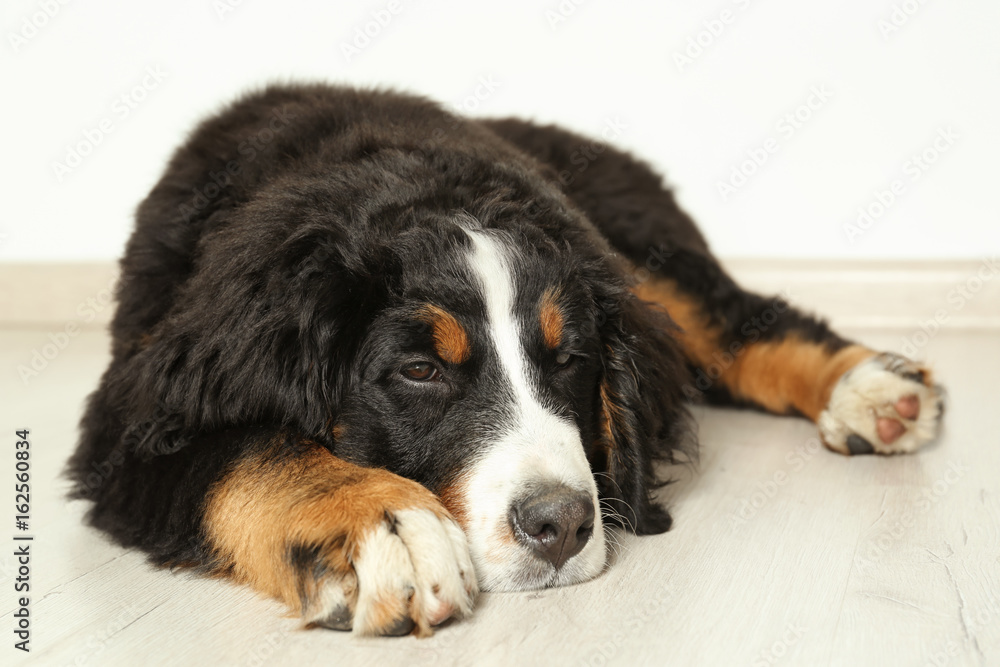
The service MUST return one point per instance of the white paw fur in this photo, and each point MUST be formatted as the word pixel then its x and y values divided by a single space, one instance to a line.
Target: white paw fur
pixel 415 568
pixel 870 392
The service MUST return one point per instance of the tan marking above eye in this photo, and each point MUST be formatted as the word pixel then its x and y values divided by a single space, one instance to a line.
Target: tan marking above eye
pixel 451 342
pixel 551 318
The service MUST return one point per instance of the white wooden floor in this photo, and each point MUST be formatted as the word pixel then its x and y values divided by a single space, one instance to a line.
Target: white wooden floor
pixel 782 554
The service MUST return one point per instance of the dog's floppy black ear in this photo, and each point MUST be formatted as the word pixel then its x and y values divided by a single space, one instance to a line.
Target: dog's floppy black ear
pixel 256 336
pixel 641 413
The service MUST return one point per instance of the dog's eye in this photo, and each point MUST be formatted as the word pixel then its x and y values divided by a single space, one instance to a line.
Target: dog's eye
pixel 420 371
pixel 563 358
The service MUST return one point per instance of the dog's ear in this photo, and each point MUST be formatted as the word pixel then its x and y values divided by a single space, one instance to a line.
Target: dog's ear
pixel 258 335
pixel 641 414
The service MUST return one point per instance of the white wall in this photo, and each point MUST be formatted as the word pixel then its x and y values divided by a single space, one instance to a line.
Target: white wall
pixel 889 97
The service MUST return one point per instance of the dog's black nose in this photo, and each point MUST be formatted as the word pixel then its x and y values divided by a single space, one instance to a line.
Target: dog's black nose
pixel 556 522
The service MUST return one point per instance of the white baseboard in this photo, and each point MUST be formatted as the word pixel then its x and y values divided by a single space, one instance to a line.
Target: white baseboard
pixel 883 294
pixel 51 296
pixel 851 294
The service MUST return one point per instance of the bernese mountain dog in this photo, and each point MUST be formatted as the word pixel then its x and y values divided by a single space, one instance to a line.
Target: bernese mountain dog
pixel 370 358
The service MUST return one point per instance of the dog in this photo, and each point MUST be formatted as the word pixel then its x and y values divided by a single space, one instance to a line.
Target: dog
pixel 370 358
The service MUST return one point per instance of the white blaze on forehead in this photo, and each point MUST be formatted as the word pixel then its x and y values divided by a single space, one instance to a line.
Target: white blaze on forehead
pixel 495 276
pixel 534 447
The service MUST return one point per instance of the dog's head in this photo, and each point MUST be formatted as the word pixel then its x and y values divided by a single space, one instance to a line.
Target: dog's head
pixel 523 383
pixel 507 367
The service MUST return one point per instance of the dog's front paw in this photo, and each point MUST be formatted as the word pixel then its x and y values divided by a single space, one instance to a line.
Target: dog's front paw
pixel 885 405
pixel 407 572
pixel 345 546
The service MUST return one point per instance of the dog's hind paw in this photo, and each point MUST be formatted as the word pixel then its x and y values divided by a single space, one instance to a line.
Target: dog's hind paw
pixel 884 405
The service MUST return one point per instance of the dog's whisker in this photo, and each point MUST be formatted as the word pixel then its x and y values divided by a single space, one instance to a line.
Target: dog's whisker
pixel 618 515
pixel 610 511
pixel 616 541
